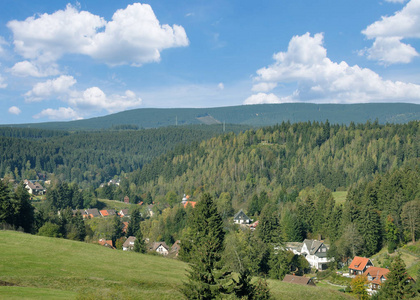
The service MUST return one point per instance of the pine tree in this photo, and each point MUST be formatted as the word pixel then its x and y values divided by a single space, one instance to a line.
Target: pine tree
pixel 139 244
pixel 397 286
pixel 206 279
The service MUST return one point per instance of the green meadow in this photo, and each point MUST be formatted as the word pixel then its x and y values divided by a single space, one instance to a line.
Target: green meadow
pixel 47 268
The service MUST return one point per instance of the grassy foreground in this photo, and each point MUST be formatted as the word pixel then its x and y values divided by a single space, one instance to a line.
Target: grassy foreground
pixel 47 268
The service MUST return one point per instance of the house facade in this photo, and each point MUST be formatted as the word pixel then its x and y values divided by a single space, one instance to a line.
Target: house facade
pixel 241 218
pixel 160 247
pixel 314 251
pixel 129 243
pixel 376 277
pixel 359 265
pixel 34 188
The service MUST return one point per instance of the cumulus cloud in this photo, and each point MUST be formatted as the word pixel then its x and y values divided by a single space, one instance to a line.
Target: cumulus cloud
pixel 51 88
pixel 62 113
pixel 95 99
pixel 321 80
pixel 14 110
pixel 27 68
pixel 81 103
pixel 134 36
pixel 389 32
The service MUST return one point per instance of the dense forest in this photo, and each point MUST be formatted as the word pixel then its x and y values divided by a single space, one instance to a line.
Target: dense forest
pixel 281 160
pixel 90 158
pixel 283 176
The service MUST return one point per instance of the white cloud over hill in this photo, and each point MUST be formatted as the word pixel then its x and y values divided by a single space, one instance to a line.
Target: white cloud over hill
pixel 321 80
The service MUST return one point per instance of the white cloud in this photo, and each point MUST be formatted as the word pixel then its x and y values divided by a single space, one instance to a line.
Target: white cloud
pixel 321 80
pixel 221 86
pixel 95 99
pixel 51 88
pixel 14 110
pixel 134 36
pixel 27 68
pixel 389 31
pixel 264 86
pixel 63 113
pixel 395 1
pixel 390 50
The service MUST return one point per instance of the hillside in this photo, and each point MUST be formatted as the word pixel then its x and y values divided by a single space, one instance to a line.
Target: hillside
pixel 86 271
pixel 254 115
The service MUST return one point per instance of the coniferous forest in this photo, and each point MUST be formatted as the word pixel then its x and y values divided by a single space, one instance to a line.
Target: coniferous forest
pixel 284 176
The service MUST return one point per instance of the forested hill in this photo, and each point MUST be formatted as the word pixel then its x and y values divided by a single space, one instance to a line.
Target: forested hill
pixel 92 157
pixel 254 115
pixel 283 157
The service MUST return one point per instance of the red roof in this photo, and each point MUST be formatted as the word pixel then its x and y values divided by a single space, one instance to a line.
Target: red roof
pixel 192 203
pixel 359 263
pixel 376 274
pixel 104 213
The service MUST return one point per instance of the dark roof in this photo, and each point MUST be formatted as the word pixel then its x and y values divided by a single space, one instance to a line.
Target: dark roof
pixel 298 279
pixel 93 211
pixel 313 246
pixel 240 215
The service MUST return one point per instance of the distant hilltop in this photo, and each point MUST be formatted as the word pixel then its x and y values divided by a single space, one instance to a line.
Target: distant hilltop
pixel 252 115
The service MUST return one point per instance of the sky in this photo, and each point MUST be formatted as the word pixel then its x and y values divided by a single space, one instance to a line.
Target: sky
pixel 64 60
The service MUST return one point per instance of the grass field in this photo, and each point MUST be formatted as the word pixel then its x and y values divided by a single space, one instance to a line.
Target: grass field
pixel 340 197
pixel 48 268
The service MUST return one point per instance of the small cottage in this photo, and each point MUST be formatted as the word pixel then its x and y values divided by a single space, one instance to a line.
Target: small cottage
pixel 298 280
pixel 359 265
pixel 241 218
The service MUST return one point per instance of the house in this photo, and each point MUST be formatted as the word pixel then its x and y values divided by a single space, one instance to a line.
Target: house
pixel 92 213
pixel 106 243
pixel 175 249
pixel 254 225
pixel 124 213
pixel 315 253
pixel 376 276
pixel 192 203
pixel 34 188
pixel 298 280
pixel 129 243
pixel 104 213
pixel 359 265
pixel 159 247
pixel 111 212
pixel 241 218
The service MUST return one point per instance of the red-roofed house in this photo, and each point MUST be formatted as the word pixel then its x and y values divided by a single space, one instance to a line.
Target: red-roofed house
pixel 192 203
pixel 106 243
pixel 104 213
pixel 376 276
pixel 359 265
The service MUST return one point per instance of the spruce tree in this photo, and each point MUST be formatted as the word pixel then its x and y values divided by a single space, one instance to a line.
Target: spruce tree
pixel 206 280
pixel 139 244
pixel 397 285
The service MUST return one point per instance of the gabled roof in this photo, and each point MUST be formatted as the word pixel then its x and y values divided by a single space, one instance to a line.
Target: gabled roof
pixel 156 245
pixel 93 211
pixel 124 212
pixel 298 279
pixel 312 245
pixel 129 242
pixel 359 263
pixel 104 213
pixel 377 273
pixel 240 215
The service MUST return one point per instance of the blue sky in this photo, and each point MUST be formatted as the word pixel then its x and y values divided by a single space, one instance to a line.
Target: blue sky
pixel 62 60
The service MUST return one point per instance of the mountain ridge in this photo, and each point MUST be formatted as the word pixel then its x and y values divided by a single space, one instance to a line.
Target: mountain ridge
pixel 255 115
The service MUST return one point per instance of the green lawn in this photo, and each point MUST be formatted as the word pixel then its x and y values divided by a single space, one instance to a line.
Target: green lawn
pixel 48 268
pixel 340 197
pixel 114 204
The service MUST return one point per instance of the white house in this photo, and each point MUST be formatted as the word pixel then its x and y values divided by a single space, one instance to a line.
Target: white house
pixel 160 247
pixel 241 218
pixel 314 251
pixel 129 243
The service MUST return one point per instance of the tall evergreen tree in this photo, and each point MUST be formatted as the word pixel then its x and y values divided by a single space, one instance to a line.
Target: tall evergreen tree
pixel 206 279
pixel 397 286
pixel 139 244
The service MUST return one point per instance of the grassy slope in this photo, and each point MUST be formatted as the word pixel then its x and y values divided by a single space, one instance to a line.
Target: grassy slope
pixel 46 268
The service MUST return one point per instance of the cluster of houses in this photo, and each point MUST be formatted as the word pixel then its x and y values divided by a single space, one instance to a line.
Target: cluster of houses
pixel 90 213
pixel 159 247
pixel 363 266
